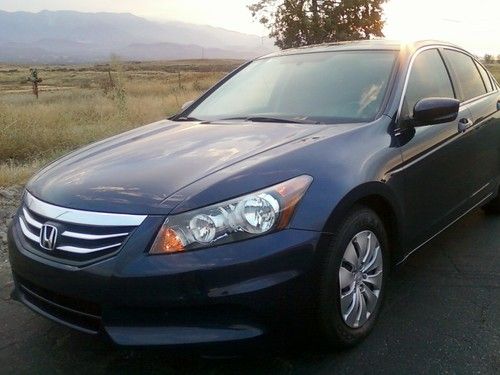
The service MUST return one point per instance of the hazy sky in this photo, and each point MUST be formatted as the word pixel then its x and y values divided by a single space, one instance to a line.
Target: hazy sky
pixel 472 24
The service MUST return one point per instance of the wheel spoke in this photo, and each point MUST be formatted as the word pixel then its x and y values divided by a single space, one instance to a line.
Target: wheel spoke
pixel 350 255
pixel 351 309
pixel 368 250
pixel 375 280
pixel 361 242
pixel 374 262
pixel 361 315
pixel 346 299
pixel 346 278
pixel 371 299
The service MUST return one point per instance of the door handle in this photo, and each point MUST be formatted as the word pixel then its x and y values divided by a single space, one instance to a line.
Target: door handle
pixel 464 124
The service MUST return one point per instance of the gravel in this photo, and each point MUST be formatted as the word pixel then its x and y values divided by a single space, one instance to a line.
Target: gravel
pixel 9 202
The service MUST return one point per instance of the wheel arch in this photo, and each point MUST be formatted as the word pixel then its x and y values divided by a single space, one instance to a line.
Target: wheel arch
pixel 378 197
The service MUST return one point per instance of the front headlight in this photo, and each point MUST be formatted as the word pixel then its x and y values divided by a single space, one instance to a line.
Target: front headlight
pixel 248 216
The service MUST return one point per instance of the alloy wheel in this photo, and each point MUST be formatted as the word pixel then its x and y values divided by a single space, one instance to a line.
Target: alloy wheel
pixel 360 278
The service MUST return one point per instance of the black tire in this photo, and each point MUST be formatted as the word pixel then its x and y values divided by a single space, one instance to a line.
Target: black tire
pixel 331 323
pixel 493 207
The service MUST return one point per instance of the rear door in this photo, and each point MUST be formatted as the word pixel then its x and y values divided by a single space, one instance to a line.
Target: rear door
pixel 477 89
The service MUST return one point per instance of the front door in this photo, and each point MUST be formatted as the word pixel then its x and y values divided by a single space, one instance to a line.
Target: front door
pixel 437 158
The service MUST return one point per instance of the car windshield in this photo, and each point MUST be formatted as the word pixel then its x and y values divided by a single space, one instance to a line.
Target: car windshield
pixel 325 87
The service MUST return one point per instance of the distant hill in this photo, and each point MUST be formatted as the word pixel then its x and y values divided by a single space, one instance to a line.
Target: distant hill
pixel 72 37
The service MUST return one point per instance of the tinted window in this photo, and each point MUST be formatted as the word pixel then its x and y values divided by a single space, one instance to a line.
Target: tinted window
pixel 468 76
pixel 486 77
pixel 330 87
pixel 428 78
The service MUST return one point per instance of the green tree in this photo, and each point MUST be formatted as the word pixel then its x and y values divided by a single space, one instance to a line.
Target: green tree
pixel 295 23
pixel 488 59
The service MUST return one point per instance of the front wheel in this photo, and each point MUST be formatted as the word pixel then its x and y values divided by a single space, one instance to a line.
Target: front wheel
pixel 353 278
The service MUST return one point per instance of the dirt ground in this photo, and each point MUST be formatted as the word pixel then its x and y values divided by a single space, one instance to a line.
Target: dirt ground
pixel 442 315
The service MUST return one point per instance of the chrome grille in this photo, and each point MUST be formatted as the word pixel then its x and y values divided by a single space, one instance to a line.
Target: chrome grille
pixel 82 235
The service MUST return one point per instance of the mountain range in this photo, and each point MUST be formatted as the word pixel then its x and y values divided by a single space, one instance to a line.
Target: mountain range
pixel 74 37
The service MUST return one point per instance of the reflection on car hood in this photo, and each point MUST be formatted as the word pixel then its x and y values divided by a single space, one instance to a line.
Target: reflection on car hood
pixel 136 171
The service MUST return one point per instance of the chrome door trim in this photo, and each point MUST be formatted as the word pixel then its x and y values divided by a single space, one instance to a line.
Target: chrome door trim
pixel 480 97
pixel 410 66
pixel 73 216
pixel 408 71
pixel 446 227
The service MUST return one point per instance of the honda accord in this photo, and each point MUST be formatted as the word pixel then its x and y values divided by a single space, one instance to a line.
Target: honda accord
pixel 279 198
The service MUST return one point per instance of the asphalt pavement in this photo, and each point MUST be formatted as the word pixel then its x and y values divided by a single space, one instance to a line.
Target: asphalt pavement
pixel 442 315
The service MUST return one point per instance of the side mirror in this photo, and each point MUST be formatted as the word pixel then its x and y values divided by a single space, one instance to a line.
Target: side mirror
pixel 430 111
pixel 187 104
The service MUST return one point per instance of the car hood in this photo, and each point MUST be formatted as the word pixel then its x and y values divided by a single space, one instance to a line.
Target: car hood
pixel 135 172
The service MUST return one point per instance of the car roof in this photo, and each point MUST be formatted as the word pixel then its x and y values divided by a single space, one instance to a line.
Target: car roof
pixel 373 44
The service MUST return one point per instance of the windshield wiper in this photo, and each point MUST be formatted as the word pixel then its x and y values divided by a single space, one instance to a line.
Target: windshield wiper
pixel 187 119
pixel 272 119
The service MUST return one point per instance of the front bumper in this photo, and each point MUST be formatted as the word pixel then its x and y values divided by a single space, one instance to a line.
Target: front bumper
pixel 234 292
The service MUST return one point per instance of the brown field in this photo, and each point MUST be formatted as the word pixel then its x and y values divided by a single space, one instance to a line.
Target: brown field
pixel 79 105
pixel 82 104
pixel 495 70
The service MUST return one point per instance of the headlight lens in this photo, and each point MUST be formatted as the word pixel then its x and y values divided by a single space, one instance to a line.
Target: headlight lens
pixel 257 214
pixel 237 219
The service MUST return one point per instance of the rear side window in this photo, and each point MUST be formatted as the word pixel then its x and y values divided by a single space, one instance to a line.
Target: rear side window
pixel 468 76
pixel 486 78
pixel 428 78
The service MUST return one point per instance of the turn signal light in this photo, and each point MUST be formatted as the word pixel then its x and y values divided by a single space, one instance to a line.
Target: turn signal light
pixel 168 241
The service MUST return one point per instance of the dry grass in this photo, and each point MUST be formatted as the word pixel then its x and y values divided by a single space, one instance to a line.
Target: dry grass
pixel 13 173
pixel 33 132
pixel 495 70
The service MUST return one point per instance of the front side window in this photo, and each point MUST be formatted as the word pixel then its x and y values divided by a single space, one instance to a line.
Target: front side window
pixel 469 78
pixel 326 87
pixel 428 78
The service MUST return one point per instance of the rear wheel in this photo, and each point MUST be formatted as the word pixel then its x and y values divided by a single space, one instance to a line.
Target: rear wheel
pixel 353 278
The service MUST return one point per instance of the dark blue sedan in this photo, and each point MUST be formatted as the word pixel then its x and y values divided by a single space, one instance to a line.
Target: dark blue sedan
pixel 278 199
